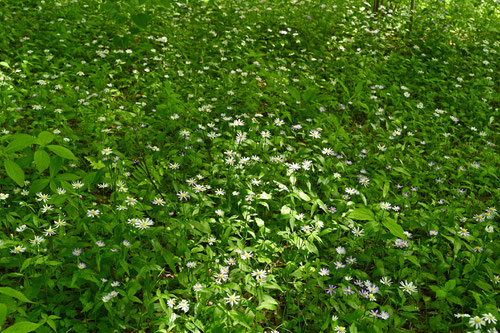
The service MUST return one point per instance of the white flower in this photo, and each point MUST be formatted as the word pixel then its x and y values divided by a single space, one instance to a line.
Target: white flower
pixel 107 151
pixel 476 322
pixel 489 318
pixel 93 212
pixel 144 223
pixel 18 249
pixel 408 287
pixel 247 255
pixel 232 299
pixel 183 305
pixel 385 205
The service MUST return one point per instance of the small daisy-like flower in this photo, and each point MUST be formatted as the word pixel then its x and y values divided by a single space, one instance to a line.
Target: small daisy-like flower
pixel 171 302
pixel 4 196
pixel 339 264
pixel 47 208
pixel 100 243
pixel 49 231
pixel 408 287
pixel 433 233
pixel 81 265
pixel 386 281
pixel 340 329
pixel 21 228
pixel 191 264
pixel 126 243
pixel 246 255
pixel 385 205
pixel 144 223
pixel 37 240
pixel 59 223
pixel 331 290
pixel 489 318
pixel 77 185
pixel 183 195
pixel 158 201
pixel 183 305
pixel 61 191
pixel 324 272
pixel 232 299
pixel 197 287
pixel 93 212
pixel 77 252
pixel 42 197
pixel 477 322
pixel 131 201
pixel 107 151
pixel 18 249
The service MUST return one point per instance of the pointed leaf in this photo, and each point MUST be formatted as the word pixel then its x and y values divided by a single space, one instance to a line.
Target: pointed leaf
pixel 362 214
pixel 22 327
pixel 14 171
pixel 14 293
pixel 61 151
pixel 42 160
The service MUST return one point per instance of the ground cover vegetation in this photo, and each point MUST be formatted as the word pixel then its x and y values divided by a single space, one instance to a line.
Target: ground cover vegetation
pixel 249 166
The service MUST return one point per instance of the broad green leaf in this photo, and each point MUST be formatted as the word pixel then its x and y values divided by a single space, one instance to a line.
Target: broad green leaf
pixel 55 166
pixel 401 170
pixel 394 228
pixel 3 313
pixel 14 293
pixel 260 222
pixel 386 189
pixel 450 285
pixel 14 171
pixel 363 214
pixel 45 138
pixel 42 160
pixel 285 210
pixel 61 151
pixel 268 303
pixel 304 196
pixel 22 327
pixel 141 20
pixel 20 142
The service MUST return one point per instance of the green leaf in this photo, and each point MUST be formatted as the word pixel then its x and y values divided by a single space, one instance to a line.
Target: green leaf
pixel 14 293
pixel 61 151
pixel 285 210
pixel 362 214
pixel 304 196
pixel 55 166
pixel 14 171
pixel 22 327
pixel 20 142
pixel 45 138
pixel 3 313
pixel 42 160
pixel 259 222
pixel 141 20
pixel 39 185
pixel 394 228
pixel 268 303
pixel 386 189
pixel 450 285
pixel 401 170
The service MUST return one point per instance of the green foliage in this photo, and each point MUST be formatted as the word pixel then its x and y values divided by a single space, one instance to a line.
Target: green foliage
pixel 248 166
